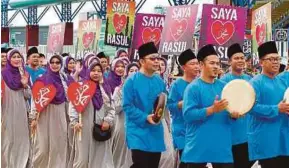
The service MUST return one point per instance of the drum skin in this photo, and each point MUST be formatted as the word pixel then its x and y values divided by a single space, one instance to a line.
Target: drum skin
pixel 240 95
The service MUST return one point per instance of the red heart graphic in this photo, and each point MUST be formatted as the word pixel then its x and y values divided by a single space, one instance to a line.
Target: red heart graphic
pixel 42 95
pixel 55 42
pixel 150 34
pixel 119 22
pixel 178 28
pixel 222 32
pixel 261 34
pixel 80 94
pixel 87 39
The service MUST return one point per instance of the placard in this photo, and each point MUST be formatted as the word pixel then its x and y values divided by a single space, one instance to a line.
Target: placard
pixel 147 28
pixel 88 34
pixel 261 26
pixel 179 29
pixel 55 39
pixel 120 21
pixel 222 26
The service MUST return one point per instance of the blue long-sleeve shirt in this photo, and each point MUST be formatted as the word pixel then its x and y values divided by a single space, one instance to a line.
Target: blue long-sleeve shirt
pixel 178 126
pixel 265 135
pixel 239 126
pixel 35 73
pixel 139 95
pixel 284 76
pixel 208 138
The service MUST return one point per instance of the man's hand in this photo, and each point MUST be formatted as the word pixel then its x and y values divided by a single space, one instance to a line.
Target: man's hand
pixel 219 105
pixel 180 104
pixel 235 115
pixel 150 119
pixel 283 107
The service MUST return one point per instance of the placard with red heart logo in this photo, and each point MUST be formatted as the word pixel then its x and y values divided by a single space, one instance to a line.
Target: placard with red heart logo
pixel 222 26
pixel 42 95
pixel 147 28
pixel 88 34
pixel 55 40
pixel 179 28
pixel 261 28
pixel 80 94
pixel 222 31
pixel 119 23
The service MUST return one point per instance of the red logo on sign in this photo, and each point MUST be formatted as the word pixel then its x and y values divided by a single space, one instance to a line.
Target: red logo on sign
pixel 80 94
pixel 222 32
pixel 119 22
pixel 151 35
pixel 42 95
pixel 87 39
pixel 261 34
pixel 178 28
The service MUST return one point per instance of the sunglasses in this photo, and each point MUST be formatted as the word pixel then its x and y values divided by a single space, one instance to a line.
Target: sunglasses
pixel 55 62
pixel 273 59
pixel 153 58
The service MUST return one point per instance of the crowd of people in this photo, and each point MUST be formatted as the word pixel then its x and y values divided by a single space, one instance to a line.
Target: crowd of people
pixel 118 127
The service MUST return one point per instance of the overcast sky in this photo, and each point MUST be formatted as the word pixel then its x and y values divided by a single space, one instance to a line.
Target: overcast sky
pixel 51 17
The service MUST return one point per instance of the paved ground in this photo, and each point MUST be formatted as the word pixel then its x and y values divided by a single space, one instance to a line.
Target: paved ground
pixel 254 166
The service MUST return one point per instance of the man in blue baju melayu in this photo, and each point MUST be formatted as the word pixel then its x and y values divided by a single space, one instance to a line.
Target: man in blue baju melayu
pixel 268 128
pixel 190 65
pixel 208 124
pixel 239 125
pixel 144 137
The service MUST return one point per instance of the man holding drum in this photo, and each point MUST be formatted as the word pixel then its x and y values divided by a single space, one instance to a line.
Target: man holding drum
pixel 190 65
pixel 145 138
pixel 239 125
pixel 208 125
pixel 268 133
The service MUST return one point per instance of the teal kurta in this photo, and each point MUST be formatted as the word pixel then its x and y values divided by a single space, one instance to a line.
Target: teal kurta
pixel 265 135
pixel 178 126
pixel 139 95
pixel 208 138
pixel 35 73
pixel 284 76
pixel 239 126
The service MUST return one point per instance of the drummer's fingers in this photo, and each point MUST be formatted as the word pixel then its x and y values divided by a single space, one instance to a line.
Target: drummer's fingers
pixel 224 102
pixel 223 106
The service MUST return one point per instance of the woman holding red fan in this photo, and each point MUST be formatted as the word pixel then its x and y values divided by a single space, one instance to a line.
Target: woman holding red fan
pixel 50 126
pixel 93 150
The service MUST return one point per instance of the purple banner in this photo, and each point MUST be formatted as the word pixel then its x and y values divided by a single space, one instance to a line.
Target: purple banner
pixel 147 28
pixel 179 29
pixel 222 26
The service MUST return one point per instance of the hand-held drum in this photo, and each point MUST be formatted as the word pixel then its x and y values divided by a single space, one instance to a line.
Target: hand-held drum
pixel 159 107
pixel 240 95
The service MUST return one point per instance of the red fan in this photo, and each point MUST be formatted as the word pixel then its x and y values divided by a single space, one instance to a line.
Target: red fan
pixel 80 95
